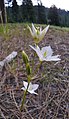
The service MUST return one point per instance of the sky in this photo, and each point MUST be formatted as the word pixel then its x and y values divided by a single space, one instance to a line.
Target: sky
pixel 63 4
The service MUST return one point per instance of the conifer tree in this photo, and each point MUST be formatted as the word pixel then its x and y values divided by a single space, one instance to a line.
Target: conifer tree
pixel 15 11
pixel 53 16
pixel 27 10
pixel 41 14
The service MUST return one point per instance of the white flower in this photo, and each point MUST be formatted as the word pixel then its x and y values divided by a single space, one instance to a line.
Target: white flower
pixel 31 88
pixel 45 54
pixel 38 35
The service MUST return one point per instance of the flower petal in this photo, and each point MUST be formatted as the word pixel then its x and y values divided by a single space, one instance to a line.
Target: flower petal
pixel 52 58
pixel 32 47
pixel 25 84
pixel 55 58
pixel 30 31
pixel 48 51
pixel 38 51
pixel 32 92
pixel 23 88
pixel 34 29
pixel 32 88
pixel 35 87
pixel 43 32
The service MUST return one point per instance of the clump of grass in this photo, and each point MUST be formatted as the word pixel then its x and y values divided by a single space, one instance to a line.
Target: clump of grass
pixel 5 31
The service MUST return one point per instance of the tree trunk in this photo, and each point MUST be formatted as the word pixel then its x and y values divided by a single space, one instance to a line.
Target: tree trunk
pixel 3 9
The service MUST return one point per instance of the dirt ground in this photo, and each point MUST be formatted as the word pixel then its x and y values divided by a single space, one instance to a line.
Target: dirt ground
pixel 52 101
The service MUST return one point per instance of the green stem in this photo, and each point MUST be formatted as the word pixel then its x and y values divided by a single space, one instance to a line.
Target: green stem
pixel 25 92
pixel 24 97
pixel 38 67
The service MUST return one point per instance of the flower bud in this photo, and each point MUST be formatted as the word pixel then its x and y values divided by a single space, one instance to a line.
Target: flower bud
pixel 28 69
pixel 25 57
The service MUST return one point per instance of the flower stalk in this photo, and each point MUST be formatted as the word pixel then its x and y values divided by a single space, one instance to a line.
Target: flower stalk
pixel 44 54
pixel 25 93
pixel 28 86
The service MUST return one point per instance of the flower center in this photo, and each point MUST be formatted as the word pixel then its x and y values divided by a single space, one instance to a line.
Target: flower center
pixel 45 53
pixel 38 32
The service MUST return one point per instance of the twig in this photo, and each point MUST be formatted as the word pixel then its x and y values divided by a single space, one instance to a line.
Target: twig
pixel 56 79
pixel 16 79
pixel 2 114
pixel 15 100
pixel 28 113
pixel 60 102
